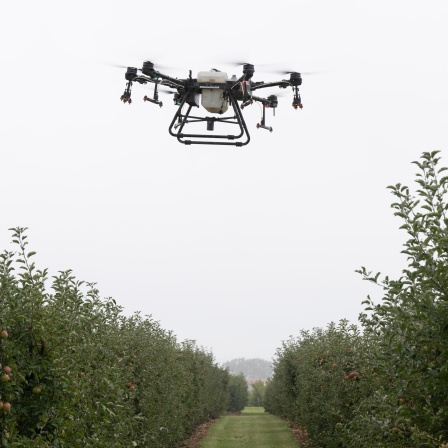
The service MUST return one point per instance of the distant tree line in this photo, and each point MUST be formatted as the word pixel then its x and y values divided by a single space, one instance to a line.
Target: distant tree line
pixel 253 369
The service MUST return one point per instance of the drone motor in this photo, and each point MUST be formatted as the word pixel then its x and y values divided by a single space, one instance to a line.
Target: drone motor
pixel 295 79
pixel 131 73
pixel 248 70
pixel 148 68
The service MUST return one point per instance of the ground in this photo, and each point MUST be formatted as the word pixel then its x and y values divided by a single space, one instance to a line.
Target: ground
pixel 202 430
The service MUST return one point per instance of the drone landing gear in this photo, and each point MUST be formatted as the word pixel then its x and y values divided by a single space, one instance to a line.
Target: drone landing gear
pixel 180 120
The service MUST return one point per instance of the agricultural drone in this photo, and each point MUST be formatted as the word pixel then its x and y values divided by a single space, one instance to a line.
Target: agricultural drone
pixel 216 93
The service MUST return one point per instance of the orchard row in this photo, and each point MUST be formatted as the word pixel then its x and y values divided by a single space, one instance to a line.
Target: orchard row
pixel 75 372
pixel 385 384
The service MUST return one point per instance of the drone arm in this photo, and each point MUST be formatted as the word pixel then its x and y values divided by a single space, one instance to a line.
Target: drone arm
pixel 297 101
pixel 167 80
pixel 261 85
pixel 171 81
pixel 237 83
pixel 263 101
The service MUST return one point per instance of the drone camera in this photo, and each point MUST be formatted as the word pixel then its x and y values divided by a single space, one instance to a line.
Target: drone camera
pixel 131 73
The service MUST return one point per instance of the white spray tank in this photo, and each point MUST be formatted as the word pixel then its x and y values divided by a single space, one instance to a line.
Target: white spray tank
pixel 213 98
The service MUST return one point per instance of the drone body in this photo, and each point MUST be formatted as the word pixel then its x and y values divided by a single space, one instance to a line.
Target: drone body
pixel 216 94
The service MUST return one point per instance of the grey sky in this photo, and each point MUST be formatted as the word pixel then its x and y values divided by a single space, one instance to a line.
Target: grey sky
pixel 237 248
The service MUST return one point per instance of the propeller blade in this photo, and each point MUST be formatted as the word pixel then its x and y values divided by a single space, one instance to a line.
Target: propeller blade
pixel 169 92
pixel 121 66
pixel 282 94
pixel 279 94
pixel 238 64
pixel 288 72
pixel 159 89
pixel 272 68
pixel 159 67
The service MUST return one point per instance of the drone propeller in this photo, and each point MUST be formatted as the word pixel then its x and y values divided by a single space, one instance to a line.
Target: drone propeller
pixel 160 67
pixel 168 92
pixel 119 66
pixel 237 64
pixel 271 68
pixel 157 67
pixel 282 94
pixel 289 72
pixel 241 63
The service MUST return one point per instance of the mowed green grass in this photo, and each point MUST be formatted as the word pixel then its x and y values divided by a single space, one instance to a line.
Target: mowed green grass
pixel 252 429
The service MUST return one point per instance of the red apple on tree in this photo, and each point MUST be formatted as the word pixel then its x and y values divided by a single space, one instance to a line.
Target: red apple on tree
pixel 3 334
pixel 7 369
pixel 6 406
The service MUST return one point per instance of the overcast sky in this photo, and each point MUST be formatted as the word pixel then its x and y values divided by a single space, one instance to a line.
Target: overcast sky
pixel 237 248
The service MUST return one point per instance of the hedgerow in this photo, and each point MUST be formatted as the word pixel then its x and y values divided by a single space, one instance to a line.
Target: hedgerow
pixel 395 394
pixel 319 378
pixel 76 372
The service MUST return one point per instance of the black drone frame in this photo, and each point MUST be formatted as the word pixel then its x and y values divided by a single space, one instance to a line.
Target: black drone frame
pixel 189 90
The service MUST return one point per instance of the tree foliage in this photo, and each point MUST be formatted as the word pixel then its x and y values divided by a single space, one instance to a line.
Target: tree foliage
pixel 398 398
pixel 238 393
pixel 256 393
pixel 76 372
pixel 319 377
pixel 410 324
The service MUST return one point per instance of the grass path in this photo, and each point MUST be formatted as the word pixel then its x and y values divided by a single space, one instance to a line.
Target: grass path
pixel 252 429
